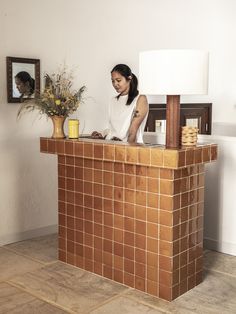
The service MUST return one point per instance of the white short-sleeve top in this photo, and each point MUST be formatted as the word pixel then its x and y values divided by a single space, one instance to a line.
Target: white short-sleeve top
pixel 120 116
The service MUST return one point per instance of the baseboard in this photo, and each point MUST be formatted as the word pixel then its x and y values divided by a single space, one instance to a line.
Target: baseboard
pixel 223 247
pixel 29 234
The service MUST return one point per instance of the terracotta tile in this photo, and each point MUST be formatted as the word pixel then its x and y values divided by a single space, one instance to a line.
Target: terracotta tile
pixel 140 270
pixel 79 174
pixel 98 176
pixel 129 224
pixel 167 174
pixel 51 146
pixel 61 207
pixel 69 147
pixel 61 170
pixel 141 183
pixel 108 205
pixel 152 245
pixel 98 151
pixel 129 196
pixel 118 194
pixel 175 291
pixel 108 233
pixel 61 195
pixel 213 152
pixel 140 227
pixel 141 198
pixel 43 145
pixel 97 203
pixel 152 259
pixel 98 164
pixel 79 237
pixel 165 278
pixel 107 272
pixel 132 154
pixel 189 157
pixel 62 183
pixel 141 170
pixel 140 256
pixel 98 243
pixel 140 241
pixel 118 249
pixel 118 262
pixel 88 175
pixel 166 202
pixel 165 263
pixel 191 282
pixel 70 160
pixel 120 153
pixel 118 179
pixel 199 277
pixel 88 150
pixel 152 230
pixel 166 233
pixel 118 235
pixel 152 273
pixel 61 159
pixel 182 159
pixel 129 266
pixel 166 187
pixel 152 215
pixel 157 157
pixel 107 165
pixel 183 259
pixel 140 212
pixel 165 248
pixel 144 156
pixel 118 275
pixel 119 222
pixel 130 169
pixel 139 283
pixel 98 255
pixel 153 185
pixel 108 178
pixel 165 292
pixel 152 288
pixel 206 154
pixel 129 210
pixel 107 191
pixel 107 246
pixel 97 189
pixel 130 181
pixel 119 208
pixel 87 187
pixel 108 219
pixel 152 200
pixel 129 252
pixel 107 258
pixel 79 148
pixel 153 172
pixel 198 155
pixel 88 201
pixel 129 238
pixel 129 280
pixel 119 167
pixel 166 218
pixel 171 158
pixel 109 152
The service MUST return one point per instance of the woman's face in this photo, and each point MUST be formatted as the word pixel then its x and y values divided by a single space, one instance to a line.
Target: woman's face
pixel 120 83
pixel 21 86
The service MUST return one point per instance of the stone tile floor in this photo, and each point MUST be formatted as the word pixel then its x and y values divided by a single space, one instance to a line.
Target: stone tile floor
pixel 33 281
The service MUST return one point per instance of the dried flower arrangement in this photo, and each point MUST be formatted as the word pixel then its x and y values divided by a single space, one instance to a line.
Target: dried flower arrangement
pixel 57 99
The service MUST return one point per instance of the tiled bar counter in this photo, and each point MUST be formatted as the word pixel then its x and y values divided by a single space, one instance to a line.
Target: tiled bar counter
pixel 133 214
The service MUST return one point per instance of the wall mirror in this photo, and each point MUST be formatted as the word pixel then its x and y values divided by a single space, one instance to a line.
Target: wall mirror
pixel 23 79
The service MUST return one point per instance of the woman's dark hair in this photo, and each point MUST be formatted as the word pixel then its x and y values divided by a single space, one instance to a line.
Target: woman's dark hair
pixel 125 71
pixel 25 77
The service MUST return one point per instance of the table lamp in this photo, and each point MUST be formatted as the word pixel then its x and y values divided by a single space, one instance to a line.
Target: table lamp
pixel 173 72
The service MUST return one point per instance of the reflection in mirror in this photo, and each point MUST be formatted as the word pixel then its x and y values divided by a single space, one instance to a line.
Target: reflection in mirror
pixel 192 122
pixel 23 78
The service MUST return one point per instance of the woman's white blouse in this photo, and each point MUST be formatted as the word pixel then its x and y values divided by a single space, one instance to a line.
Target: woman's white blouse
pixel 120 116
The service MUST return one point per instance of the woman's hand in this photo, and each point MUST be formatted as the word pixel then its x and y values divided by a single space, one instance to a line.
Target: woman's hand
pixel 97 135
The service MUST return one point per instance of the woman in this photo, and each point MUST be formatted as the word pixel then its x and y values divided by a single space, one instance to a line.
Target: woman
pixel 128 110
pixel 25 84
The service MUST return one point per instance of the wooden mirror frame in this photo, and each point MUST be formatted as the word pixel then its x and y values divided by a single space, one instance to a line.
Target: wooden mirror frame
pixel 10 72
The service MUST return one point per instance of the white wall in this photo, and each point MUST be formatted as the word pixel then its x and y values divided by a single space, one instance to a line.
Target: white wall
pixel 93 36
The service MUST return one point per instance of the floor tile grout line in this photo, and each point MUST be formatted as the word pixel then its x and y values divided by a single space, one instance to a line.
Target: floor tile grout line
pixel 148 304
pixel 220 272
pixel 39 297
pixel 106 301
pixel 29 257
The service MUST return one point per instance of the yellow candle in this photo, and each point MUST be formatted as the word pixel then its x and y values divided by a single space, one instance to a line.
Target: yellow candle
pixel 73 126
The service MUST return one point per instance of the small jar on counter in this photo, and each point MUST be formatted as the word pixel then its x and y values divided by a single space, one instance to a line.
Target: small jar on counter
pixel 73 128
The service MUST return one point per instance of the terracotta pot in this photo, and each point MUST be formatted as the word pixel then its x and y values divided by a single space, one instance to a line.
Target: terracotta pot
pixel 58 126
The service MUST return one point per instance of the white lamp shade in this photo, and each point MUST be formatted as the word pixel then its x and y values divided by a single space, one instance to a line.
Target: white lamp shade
pixel 173 72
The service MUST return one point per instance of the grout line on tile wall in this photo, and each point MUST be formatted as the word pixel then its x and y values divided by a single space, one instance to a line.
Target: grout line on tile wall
pixel 39 297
